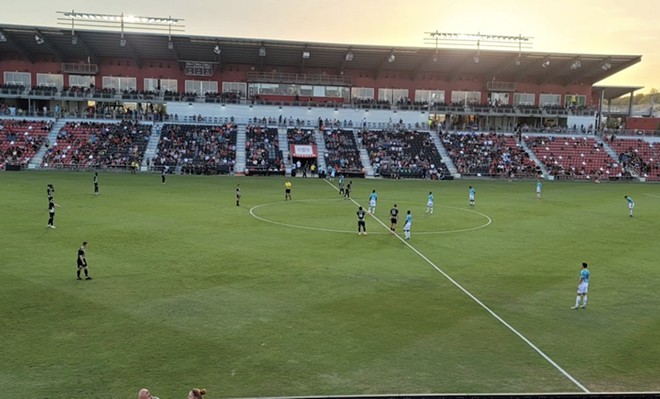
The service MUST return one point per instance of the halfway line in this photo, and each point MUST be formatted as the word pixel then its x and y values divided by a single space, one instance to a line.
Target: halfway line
pixel 474 298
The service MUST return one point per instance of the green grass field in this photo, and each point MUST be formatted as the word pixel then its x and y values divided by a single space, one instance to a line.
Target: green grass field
pixel 277 298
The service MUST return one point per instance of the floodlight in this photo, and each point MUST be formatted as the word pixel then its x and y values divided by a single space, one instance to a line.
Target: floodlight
pixel 305 54
pixel 217 50
pixel 3 38
pixel 170 45
pixel 38 39
pixel 262 51
pixel 349 56
pixel 122 42
pixel 476 59
pixel 391 58
pixel 545 64
pixel 517 61
pixel 74 40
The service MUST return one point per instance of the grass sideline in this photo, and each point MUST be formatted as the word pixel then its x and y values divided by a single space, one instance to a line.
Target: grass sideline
pixel 190 290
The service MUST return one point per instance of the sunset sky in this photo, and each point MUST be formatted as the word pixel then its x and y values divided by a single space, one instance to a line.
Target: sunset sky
pixel 587 26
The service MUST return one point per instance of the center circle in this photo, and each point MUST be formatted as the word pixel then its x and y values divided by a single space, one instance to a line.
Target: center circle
pixel 329 216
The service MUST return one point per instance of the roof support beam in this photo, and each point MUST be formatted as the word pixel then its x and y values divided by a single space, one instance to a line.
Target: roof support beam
pixel 93 58
pixel 382 64
pixel 53 48
pixel 134 54
pixel 18 47
pixel 453 74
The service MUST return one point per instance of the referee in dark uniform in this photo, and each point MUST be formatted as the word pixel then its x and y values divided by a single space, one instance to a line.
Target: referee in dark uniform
pixel 394 216
pixel 362 227
pixel 238 195
pixel 82 261
pixel 96 183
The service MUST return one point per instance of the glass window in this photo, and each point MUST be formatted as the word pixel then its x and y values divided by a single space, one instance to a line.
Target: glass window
pixel 169 85
pixel 362 93
pixel 201 87
pixel 549 100
pixel 18 78
pixel 430 96
pixel 81 81
pixel 50 80
pixel 523 99
pixel 119 83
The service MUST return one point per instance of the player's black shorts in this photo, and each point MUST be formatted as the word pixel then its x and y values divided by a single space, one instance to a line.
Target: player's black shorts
pixel 393 220
pixel 81 265
pixel 287 191
pixel 361 223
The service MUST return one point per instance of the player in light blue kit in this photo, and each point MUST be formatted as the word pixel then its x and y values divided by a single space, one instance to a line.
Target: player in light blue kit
pixel 631 204
pixel 429 203
pixel 583 287
pixel 539 186
pixel 406 227
pixel 373 198
pixel 471 193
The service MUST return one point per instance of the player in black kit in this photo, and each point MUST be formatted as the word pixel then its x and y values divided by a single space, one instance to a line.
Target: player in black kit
pixel 238 195
pixel 394 215
pixel 347 190
pixel 362 227
pixel 96 183
pixel 82 261
pixel 51 211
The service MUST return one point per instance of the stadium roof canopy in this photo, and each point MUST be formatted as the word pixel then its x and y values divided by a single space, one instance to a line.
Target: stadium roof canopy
pixel 558 68
pixel 612 92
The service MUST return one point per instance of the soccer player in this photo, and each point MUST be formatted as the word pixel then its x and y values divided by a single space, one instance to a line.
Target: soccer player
pixel 394 215
pixel 471 193
pixel 96 183
pixel 406 227
pixel 51 212
pixel 347 190
pixel 238 195
pixel 50 190
pixel 429 203
pixel 287 190
pixel 583 287
pixel 82 261
pixel 373 198
pixel 162 174
pixel 341 184
pixel 539 186
pixel 631 205
pixel 362 227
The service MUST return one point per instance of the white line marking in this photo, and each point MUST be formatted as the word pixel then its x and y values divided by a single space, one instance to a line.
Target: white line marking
pixel 486 308
pixel 652 195
pixel 489 220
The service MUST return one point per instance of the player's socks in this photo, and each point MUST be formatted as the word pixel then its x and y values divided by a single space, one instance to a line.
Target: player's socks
pixel 577 301
pixel 78 273
pixel 584 302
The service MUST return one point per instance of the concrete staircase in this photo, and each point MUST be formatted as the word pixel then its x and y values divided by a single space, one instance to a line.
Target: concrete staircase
pixel 611 152
pixel 320 147
pixel 241 140
pixel 35 162
pixel 284 147
pixel 444 154
pixel 364 156
pixel 536 159
pixel 152 146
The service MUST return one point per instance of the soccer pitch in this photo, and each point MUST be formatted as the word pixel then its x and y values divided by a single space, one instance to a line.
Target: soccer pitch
pixel 278 298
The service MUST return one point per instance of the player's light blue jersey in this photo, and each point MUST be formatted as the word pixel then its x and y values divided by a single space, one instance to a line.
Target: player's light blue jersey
pixel 409 218
pixel 373 197
pixel 630 201
pixel 538 186
pixel 584 275
pixel 472 192
pixel 430 198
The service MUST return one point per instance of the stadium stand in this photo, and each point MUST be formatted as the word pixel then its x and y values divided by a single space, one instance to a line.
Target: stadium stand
pixel 300 136
pixel 262 150
pixel 98 145
pixel 197 149
pixel 640 155
pixel 342 152
pixel 575 157
pixel 20 140
pixel 403 154
pixel 489 154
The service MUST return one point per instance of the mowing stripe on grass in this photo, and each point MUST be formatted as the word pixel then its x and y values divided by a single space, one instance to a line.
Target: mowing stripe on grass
pixel 474 298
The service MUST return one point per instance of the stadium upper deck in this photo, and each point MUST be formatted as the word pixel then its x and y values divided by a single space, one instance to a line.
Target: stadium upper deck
pixel 136 64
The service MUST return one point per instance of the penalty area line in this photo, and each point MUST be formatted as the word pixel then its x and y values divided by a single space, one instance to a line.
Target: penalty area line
pixel 478 301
